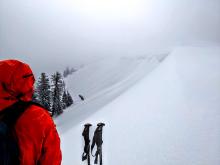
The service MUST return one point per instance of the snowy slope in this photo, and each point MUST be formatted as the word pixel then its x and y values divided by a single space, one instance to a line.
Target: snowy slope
pixel 100 83
pixel 104 73
pixel 170 117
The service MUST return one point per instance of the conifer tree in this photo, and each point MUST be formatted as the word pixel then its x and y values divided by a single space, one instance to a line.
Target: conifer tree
pixel 43 91
pixel 68 71
pixel 69 99
pixel 57 90
pixel 64 100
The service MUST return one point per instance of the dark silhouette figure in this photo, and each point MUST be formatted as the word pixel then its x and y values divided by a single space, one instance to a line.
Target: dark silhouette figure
pixel 97 140
pixel 81 97
pixel 85 134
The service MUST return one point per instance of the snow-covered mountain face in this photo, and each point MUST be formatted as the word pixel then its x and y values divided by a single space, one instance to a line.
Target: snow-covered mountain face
pixel 105 74
pixel 170 116
pixel 101 82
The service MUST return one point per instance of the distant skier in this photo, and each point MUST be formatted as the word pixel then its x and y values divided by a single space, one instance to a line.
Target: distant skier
pixel 28 135
pixel 81 97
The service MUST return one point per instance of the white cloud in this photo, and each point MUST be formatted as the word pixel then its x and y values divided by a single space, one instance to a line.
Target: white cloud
pixel 73 31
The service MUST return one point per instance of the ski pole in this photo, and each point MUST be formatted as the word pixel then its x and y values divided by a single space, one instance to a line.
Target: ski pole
pixel 85 134
pixel 97 140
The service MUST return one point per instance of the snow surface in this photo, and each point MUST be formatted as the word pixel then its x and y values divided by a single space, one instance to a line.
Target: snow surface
pixel 170 117
pixel 104 73
pixel 100 83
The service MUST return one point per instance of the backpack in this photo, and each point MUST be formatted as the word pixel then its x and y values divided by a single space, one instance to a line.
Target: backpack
pixel 9 149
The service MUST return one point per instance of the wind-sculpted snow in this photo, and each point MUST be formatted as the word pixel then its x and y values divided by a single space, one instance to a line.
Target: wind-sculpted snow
pixel 170 117
pixel 100 83
pixel 103 74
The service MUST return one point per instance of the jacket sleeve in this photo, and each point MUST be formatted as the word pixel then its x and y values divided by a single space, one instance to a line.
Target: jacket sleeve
pixel 51 152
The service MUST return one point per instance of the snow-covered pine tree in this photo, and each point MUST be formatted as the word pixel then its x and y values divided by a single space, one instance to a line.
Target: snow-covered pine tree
pixel 69 99
pixel 43 91
pixel 68 71
pixel 57 90
pixel 64 96
pixel 64 100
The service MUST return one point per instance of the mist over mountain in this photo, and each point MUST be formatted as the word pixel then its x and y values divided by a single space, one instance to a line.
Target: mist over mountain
pixel 74 32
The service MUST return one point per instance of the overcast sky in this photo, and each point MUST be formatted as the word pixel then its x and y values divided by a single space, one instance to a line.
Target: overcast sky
pixel 71 32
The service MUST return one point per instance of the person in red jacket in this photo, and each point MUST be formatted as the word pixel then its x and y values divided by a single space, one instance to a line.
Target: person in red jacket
pixel 38 140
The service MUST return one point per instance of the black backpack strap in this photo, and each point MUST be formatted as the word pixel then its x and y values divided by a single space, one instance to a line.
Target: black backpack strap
pixel 13 112
pixel 37 104
pixel 9 149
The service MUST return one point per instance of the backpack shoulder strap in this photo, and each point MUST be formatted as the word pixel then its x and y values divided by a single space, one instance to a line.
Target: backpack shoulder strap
pixel 12 113
pixel 37 104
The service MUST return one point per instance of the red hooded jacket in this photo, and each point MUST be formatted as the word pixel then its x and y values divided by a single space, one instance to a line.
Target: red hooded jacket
pixel 38 140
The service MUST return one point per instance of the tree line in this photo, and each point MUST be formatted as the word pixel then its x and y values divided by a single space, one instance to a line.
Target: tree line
pixel 52 93
pixel 68 71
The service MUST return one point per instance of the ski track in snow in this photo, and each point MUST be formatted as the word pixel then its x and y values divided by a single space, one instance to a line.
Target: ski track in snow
pixel 170 117
pixel 107 89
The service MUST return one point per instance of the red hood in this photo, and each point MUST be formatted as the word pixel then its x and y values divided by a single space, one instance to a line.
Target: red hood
pixel 16 82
